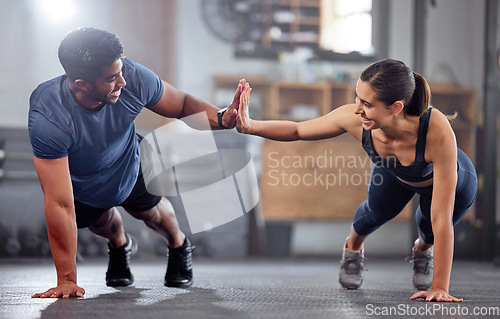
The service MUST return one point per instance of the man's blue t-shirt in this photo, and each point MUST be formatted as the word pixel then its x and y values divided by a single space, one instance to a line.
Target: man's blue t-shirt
pixel 102 147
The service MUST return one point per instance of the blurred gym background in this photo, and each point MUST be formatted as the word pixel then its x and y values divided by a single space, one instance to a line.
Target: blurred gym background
pixel 302 58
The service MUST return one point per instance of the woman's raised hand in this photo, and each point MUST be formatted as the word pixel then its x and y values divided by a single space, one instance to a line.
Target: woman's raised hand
pixel 243 121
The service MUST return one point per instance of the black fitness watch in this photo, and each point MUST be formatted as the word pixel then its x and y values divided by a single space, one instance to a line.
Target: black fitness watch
pixel 220 113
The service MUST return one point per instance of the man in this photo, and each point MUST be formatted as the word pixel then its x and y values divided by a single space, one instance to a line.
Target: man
pixel 86 155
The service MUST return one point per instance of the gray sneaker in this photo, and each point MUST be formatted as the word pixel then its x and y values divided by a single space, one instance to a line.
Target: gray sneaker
pixel 351 269
pixel 422 268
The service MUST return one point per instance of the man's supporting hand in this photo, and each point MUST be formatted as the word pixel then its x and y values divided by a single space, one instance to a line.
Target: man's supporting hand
pixel 64 290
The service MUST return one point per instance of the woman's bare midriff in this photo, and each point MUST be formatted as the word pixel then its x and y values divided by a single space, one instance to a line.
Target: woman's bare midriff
pixel 426 183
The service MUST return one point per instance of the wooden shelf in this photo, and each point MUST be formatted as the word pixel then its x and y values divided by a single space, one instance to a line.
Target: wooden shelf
pixel 308 21
pixel 285 193
pixel 279 97
pixel 298 17
pixel 450 99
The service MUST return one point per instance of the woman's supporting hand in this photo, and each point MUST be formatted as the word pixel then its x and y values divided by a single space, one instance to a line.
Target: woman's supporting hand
pixel 435 294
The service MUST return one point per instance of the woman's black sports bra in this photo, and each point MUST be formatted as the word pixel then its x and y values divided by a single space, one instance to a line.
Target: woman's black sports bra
pixel 419 170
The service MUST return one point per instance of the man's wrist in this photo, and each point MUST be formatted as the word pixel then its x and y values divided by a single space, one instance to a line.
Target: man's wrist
pixel 220 114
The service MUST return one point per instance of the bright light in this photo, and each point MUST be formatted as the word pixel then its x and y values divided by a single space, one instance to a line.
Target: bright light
pixel 57 11
pixel 347 26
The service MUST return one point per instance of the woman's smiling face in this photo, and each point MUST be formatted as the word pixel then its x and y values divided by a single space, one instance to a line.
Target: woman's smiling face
pixel 374 113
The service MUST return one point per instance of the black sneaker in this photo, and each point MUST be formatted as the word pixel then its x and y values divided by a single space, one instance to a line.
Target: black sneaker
pixel 118 273
pixel 180 266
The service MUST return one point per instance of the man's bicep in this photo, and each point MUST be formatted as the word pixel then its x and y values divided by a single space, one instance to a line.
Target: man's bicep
pixel 48 138
pixel 171 103
pixel 55 180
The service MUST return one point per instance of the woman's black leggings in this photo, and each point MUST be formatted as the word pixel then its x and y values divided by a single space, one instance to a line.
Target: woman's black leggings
pixel 387 196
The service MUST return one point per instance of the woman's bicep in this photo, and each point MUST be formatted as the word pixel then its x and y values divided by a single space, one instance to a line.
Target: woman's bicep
pixel 443 154
pixel 335 123
pixel 445 182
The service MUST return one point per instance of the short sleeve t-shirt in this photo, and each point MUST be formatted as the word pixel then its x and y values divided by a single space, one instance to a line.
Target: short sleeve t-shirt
pixel 102 148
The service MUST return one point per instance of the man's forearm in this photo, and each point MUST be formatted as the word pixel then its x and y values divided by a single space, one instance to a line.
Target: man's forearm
pixel 62 231
pixel 194 105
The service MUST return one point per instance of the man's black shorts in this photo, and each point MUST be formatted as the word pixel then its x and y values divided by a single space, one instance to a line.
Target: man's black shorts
pixel 139 200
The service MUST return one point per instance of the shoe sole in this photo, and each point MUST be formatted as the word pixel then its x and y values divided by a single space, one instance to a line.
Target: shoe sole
pixel 178 285
pixel 422 285
pixel 133 252
pixel 422 288
pixel 119 283
pixel 349 287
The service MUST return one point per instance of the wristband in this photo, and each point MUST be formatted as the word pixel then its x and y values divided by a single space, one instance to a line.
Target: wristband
pixel 220 113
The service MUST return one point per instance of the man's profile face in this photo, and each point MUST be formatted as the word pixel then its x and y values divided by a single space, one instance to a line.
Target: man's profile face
pixel 107 87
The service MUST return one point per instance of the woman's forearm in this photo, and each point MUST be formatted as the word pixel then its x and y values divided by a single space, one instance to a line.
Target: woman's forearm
pixel 274 130
pixel 443 255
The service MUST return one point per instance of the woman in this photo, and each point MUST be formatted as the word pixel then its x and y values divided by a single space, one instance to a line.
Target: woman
pixel 414 150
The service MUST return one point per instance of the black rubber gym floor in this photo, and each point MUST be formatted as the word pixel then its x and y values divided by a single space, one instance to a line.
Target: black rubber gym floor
pixel 263 288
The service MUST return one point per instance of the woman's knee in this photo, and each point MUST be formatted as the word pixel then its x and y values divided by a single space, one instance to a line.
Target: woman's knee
pixel 366 220
pixel 424 225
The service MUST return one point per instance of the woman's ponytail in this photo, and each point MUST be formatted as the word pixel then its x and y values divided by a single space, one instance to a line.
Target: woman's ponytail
pixel 421 98
pixel 393 81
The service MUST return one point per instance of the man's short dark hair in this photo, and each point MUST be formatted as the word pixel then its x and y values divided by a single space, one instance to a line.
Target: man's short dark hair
pixel 85 52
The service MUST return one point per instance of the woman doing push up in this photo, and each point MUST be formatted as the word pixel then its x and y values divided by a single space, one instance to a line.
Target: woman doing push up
pixel 414 150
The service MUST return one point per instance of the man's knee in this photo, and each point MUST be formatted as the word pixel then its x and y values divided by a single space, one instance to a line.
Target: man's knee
pixel 107 219
pixel 155 214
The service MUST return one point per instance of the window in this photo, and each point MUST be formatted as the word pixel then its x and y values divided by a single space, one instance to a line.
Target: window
pixel 346 26
pixel 330 29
